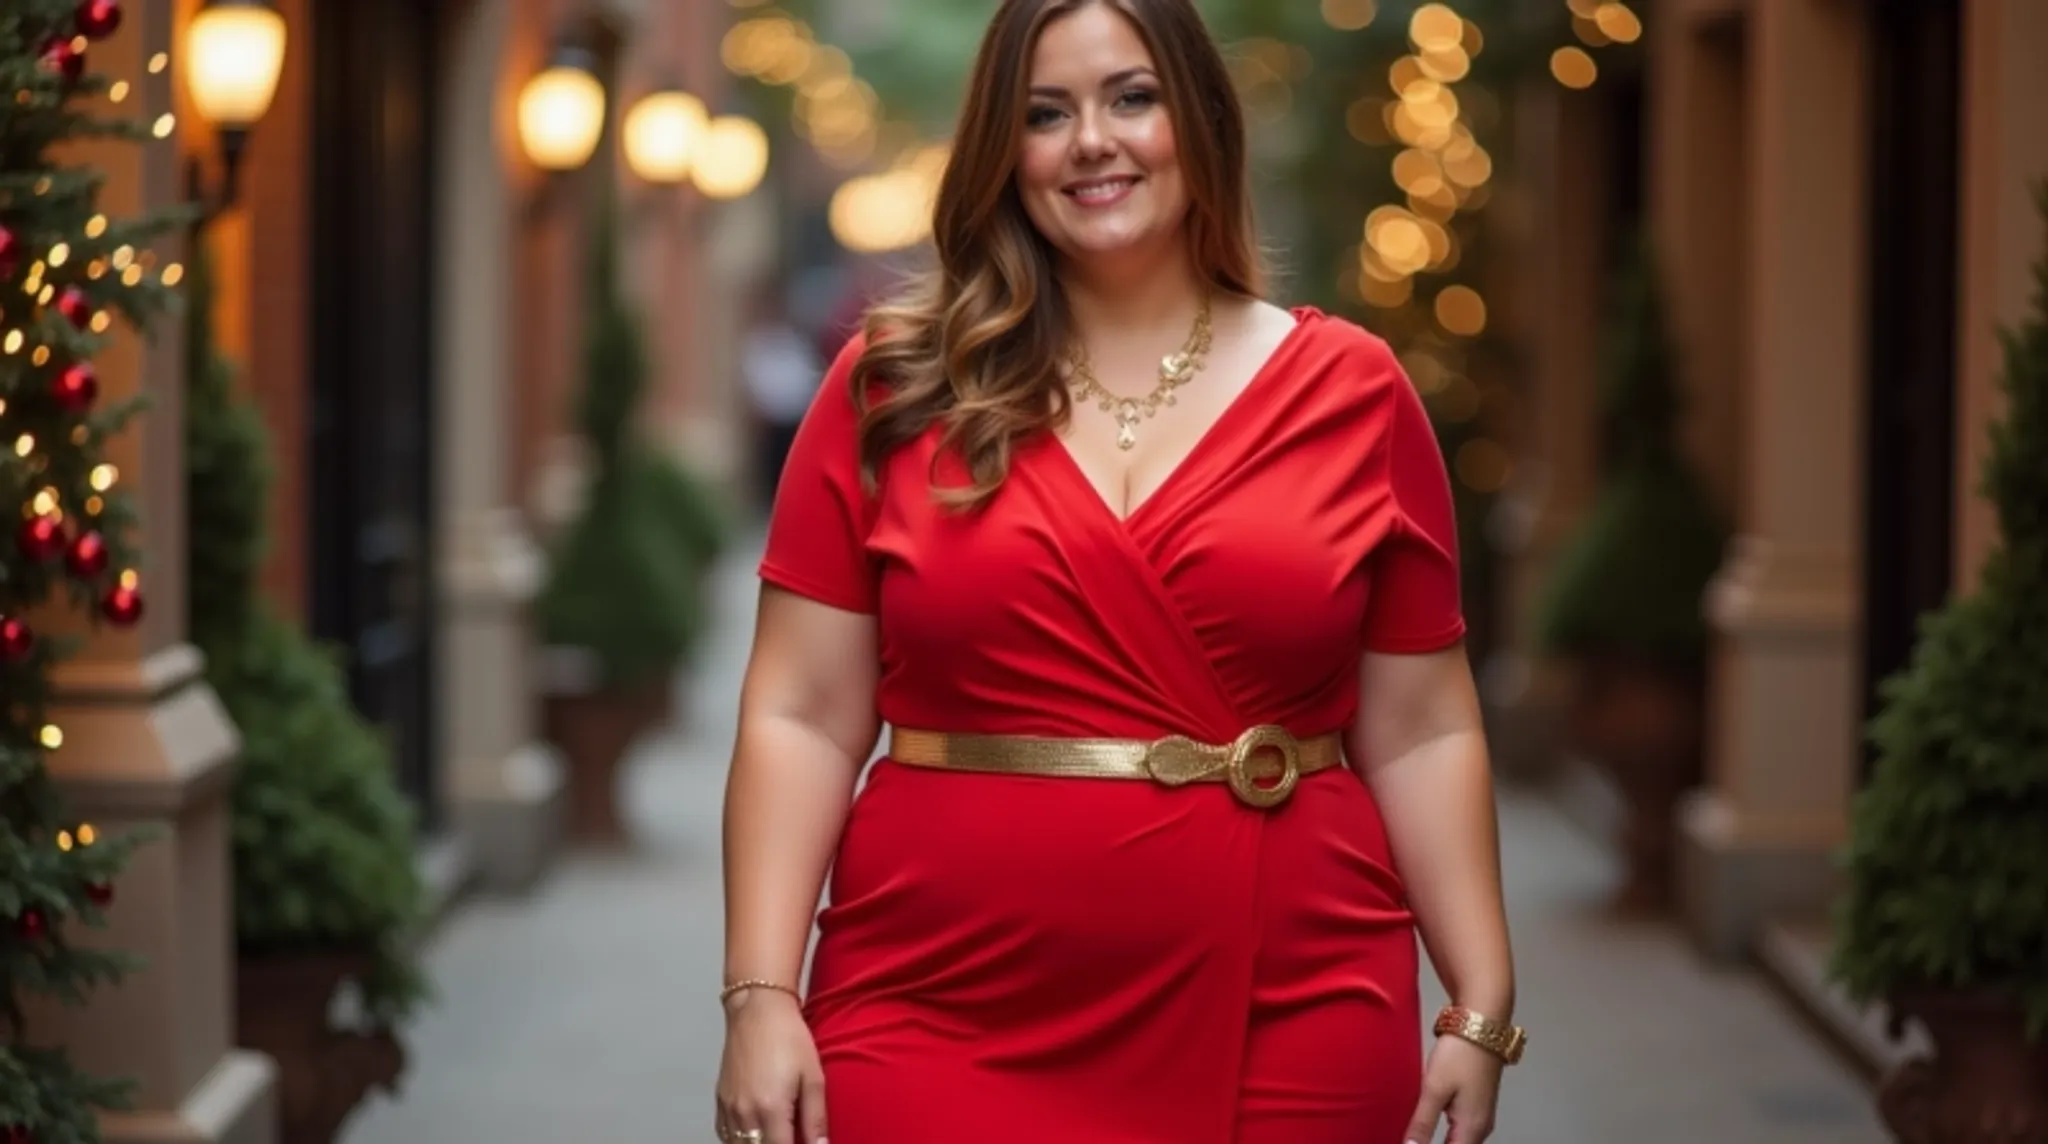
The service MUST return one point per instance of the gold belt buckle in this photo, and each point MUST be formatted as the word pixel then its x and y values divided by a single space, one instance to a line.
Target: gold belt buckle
pixel 1178 760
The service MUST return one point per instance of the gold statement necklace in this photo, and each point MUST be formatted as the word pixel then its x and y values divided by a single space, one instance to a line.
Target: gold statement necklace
pixel 1175 370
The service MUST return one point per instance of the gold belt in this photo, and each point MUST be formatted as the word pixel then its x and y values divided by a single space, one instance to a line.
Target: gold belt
pixel 1262 767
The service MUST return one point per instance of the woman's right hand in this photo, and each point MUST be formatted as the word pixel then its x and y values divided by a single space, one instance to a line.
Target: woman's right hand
pixel 770 1080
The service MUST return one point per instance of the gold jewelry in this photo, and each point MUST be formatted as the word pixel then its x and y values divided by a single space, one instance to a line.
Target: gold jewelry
pixel 741 1136
pixel 1261 767
pixel 726 993
pixel 1503 1041
pixel 1175 370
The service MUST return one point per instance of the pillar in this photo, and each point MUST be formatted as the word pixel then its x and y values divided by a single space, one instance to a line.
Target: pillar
pixel 1698 187
pixel 1560 226
pixel 505 785
pixel 2004 157
pixel 147 743
pixel 1761 838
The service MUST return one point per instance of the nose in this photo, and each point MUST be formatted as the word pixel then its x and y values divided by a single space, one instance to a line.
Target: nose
pixel 1092 139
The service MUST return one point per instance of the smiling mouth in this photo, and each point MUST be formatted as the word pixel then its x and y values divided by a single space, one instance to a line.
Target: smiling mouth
pixel 1097 191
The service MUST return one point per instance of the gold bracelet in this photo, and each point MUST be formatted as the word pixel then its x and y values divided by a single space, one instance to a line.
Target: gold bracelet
pixel 1503 1041
pixel 743 986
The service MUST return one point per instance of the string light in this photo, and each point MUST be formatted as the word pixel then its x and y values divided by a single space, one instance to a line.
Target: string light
pixel 52 736
pixel 104 476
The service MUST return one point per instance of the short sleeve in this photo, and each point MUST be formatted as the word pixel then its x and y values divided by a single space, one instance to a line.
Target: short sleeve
pixel 1415 601
pixel 818 529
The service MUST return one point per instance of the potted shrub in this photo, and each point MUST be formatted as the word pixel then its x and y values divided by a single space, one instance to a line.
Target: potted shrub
pixel 1946 916
pixel 621 607
pixel 327 895
pixel 1622 606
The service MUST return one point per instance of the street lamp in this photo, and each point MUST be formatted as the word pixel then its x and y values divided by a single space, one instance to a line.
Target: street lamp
pixel 732 158
pixel 561 111
pixel 663 133
pixel 234 53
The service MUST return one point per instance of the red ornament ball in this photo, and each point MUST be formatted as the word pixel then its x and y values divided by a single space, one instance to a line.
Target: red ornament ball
pixel 61 57
pixel 101 894
pixel 16 640
pixel 123 605
pixel 32 924
pixel 97 19
pixel 10 253
pixel 41 538
pixel 76 388
pixel 88 555
pixel 75 306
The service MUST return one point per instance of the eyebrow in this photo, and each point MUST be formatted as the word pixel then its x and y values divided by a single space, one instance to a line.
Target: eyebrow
pixel 1112 80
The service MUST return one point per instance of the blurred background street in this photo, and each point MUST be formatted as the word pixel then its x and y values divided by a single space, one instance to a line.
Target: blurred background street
pixel 420 590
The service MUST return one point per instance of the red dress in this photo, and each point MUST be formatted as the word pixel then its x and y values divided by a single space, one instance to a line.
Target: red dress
pixel 1023 960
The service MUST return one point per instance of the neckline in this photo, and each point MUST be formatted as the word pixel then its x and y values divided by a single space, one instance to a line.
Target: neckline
pixel 1206 442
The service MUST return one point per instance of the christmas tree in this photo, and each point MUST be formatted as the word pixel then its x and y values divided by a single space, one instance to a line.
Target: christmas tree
pixel 67 273
pixel 1945 860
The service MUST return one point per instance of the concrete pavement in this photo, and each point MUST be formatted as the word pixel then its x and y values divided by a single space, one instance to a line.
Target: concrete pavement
pixel 587 1010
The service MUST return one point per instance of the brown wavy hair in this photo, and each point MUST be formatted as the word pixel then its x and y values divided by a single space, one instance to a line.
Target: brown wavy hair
pixel 976 345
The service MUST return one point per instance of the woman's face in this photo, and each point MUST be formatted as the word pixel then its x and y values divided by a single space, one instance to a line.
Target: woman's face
pixel 1099 174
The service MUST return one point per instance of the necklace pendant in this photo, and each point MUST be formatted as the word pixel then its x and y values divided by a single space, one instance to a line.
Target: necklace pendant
pixel 1126 436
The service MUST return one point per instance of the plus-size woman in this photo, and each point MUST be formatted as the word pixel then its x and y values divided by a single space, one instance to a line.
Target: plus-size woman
pixel 1154 586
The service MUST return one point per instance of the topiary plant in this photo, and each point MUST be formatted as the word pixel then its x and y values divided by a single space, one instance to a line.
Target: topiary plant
pixel 1630 580
pixel 625 581
pixel 1947 867
pixel 323 840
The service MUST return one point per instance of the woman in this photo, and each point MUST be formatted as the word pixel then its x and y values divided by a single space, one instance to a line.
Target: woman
pixel 1183 742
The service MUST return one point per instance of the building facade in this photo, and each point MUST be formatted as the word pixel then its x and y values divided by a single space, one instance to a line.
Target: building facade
pixel 400 290
pixel 1840 192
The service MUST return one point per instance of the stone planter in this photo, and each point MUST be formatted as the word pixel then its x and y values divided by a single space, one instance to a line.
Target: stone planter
pixel 283 1008
pixel 594 729
pixel 1643 725
pixel 1985 1084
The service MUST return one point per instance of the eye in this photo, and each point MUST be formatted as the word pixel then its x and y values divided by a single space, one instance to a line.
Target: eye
pixel 1041 116
pixel 1138 98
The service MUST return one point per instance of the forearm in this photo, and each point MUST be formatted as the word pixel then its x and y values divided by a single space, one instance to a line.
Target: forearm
pixel 1437 801
pixel 785 804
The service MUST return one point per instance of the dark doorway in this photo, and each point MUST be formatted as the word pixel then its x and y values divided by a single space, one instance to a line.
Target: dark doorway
pixel 1910 408
pixel 372 400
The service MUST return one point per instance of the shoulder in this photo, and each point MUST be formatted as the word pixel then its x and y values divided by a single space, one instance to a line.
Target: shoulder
pixel 1347 344
pixel 1347 363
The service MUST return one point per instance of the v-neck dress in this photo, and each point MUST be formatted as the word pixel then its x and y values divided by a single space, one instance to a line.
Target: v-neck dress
pixel 1024 960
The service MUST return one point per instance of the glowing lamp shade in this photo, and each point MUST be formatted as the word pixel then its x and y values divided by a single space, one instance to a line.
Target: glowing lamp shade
pixel 234 51
pixel 662 133
pixel 732 157
pixel 561 115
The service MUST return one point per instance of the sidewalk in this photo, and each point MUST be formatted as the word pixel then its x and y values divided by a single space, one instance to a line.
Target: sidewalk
pixel 587 1011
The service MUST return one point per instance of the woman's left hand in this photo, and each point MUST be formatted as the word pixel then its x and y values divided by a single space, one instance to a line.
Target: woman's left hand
pixel 1461 1081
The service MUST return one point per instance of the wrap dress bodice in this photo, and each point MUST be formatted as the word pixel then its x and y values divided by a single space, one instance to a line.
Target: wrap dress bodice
pixel 1091 961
